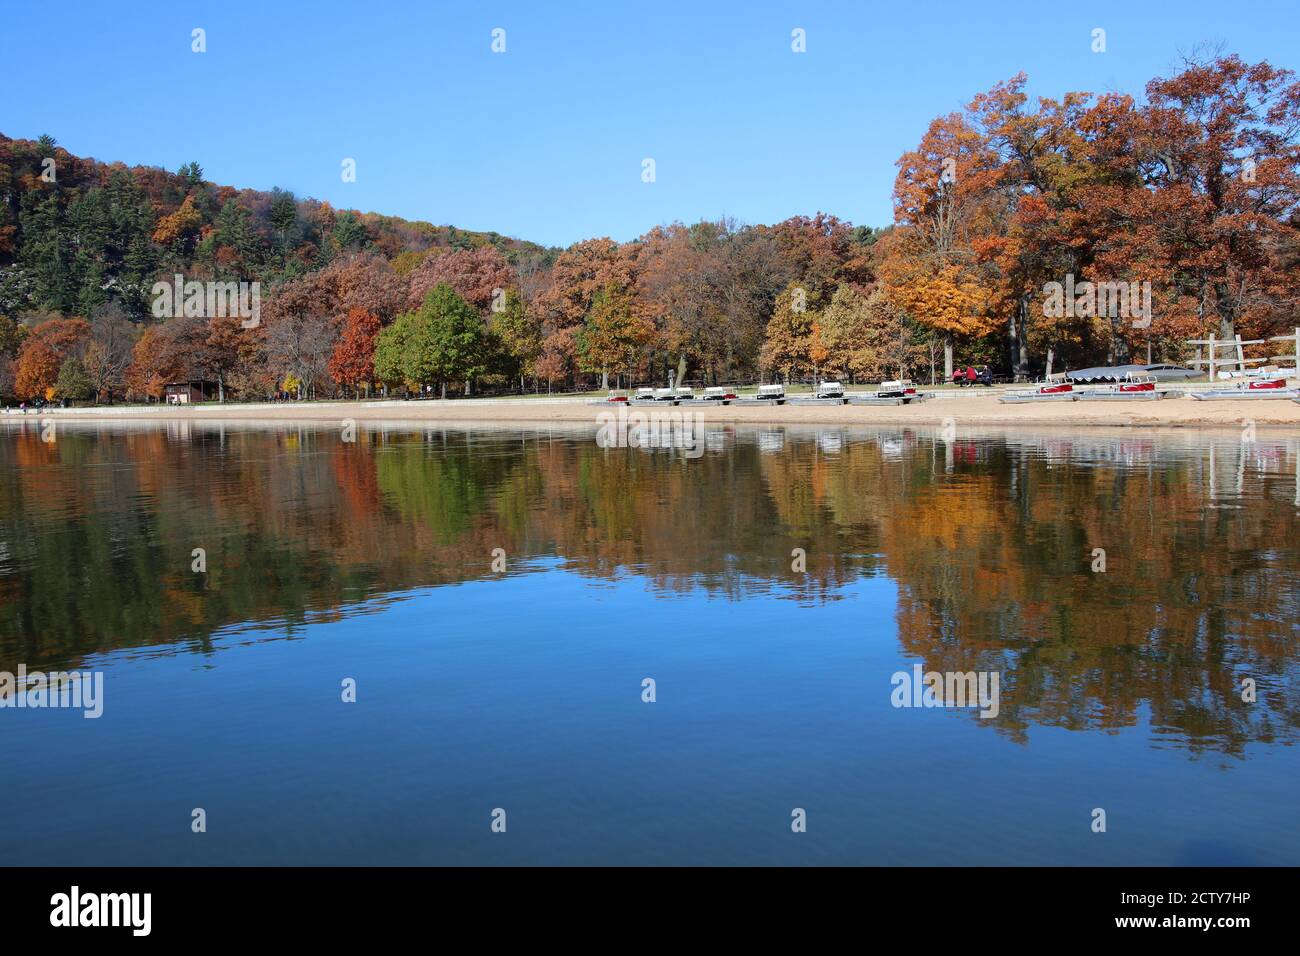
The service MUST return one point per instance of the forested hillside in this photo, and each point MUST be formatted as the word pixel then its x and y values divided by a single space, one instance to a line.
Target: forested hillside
pixel 1188 193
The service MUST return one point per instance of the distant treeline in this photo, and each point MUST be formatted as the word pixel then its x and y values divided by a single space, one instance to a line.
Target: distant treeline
pixel 1189 195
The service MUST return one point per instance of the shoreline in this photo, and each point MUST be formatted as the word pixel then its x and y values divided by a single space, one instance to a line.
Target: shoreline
pixel 963 410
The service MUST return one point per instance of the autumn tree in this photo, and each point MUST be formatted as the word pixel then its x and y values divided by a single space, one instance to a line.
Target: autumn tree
pixel 479 276
pixel 1044 170
pixel 679 280
pixel 230 349
pixel 364 281
pixel 865 336
pixel 612 334
pixel 179 229
pixel 43 352
pixel 942 204
pixel 788 342
pixel 150 369
pixel 12 335
pixel 176 350
pixel 518 336
pixel 578 274
pixel 1219 143
pixel 353 361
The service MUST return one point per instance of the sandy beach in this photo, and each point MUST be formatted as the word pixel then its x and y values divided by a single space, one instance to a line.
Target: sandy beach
pixel 963 409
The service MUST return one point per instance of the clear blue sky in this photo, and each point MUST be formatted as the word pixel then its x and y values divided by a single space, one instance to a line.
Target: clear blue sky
pixel 546 141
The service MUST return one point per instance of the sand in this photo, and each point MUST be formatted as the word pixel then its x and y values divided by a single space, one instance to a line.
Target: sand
pixel 963 409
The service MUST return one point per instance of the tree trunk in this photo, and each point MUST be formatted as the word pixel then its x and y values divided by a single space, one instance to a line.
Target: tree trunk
pixel 681 370
pixel 604 379
pixel 443 389
pixel 1021 356
pixel 947 357
pixel 1227 312
pixel 1119 347
pixel 467 386
pixel 1013 342
pixel 1050 355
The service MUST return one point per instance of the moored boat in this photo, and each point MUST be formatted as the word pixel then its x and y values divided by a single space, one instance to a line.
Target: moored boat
pixel 1053 392
pixel 875 398
pixel 1262 389
pixel 767 395
pixel 894 392
pixel 1133 388
pixel 827 393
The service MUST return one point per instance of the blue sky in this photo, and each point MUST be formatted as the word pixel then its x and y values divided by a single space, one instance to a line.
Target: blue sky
pixel 546 140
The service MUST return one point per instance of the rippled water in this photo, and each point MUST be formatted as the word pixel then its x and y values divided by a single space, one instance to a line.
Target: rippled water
pixel 521 689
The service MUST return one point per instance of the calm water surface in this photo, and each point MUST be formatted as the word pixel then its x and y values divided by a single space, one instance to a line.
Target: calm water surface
pixel 521 689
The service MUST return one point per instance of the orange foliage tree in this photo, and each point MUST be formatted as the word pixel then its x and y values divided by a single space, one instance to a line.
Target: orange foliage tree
pixel 43 352
pixel 943 202
pixel 353 360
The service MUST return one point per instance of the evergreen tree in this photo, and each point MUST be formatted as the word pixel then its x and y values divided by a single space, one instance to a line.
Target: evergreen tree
pixel 349 232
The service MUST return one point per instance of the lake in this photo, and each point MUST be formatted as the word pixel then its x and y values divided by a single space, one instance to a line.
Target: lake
pixel 498 602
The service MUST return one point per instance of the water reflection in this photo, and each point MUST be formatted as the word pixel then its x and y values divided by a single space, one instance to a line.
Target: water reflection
pixel 990 539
